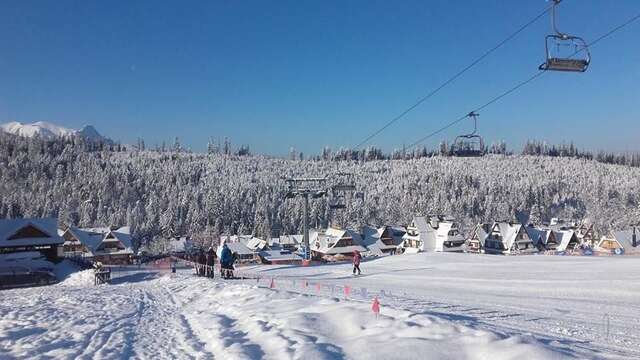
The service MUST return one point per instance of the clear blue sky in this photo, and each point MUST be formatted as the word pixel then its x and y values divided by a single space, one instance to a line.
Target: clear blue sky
pixel 275 74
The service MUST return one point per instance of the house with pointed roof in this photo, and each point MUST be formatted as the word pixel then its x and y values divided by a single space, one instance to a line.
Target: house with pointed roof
pixel 620 242
pixel 382 240
pixel 475 240
pixel 433 233
pixel 335 243
pixel 286 242
pixel 29 235
pixel 106 245
pixel 509 238
pixel 586 233
pixel 544 239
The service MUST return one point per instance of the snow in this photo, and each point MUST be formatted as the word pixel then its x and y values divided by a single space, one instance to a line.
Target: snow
pixel 434 306
pixel 49 131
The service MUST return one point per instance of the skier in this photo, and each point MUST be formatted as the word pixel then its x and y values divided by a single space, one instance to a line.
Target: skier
pixel 211 260
pixel 356 261
pixel 226 261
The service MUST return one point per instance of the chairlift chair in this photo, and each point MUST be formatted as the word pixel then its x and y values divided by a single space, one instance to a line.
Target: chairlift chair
pixel 469 144
pixel 555 62
pixel 337 202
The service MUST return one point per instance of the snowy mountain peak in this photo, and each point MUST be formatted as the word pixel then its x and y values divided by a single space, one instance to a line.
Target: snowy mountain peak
pixel 47 130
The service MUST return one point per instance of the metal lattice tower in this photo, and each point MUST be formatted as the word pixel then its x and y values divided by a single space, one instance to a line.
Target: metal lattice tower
pixel 306 187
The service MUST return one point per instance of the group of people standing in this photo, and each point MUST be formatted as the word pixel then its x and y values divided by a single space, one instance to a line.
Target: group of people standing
pixel 206 260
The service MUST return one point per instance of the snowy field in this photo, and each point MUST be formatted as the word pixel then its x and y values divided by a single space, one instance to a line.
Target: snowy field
pixel 436 306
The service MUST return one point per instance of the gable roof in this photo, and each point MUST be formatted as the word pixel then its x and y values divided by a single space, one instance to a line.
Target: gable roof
pixel 92 238
pixel 239 248
pixel 509 232
pixel 45 229
pixel 479 233
pixel 625 239
pixel 325 242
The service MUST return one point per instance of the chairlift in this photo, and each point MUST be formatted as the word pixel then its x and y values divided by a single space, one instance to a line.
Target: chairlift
pixel 339 190
pixel 558 40
pixel 469 144
pixel 337 202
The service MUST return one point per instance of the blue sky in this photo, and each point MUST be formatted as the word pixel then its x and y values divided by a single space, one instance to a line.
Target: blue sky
pixel 275 74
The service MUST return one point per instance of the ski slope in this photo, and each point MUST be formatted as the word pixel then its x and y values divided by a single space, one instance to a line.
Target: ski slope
pixel 569 303
pixel 436 306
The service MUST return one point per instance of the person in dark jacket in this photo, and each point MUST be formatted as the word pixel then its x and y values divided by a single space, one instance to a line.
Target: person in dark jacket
pixel 202 260
pixel 210 262
pixel 356 261
pixel 226 262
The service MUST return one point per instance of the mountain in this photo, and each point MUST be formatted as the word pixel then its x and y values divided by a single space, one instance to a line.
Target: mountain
pixel 50 131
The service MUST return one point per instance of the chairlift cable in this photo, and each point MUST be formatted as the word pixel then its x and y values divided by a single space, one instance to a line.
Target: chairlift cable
pixel 454 77
pixel 523 83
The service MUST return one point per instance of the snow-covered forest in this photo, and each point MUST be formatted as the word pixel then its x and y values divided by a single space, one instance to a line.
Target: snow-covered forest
pixel 170 193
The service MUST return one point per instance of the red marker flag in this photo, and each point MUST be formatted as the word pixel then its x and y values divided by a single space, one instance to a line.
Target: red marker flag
pixel 318 288
pixel 375 307
pixel 347 291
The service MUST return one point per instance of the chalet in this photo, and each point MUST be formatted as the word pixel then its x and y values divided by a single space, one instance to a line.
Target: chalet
pixel 243 253
pixel 543 238
pixel 433 233
pixel 279 257
pixel 334 242
pixel 382 240
pixel 509 238
pixel 475 241
pixel 31 235
pixel 106 245
pixel 256 244
pixel 567 239
pixel 585 233
pixel 286 242
pixel 620 242
pixel 181 246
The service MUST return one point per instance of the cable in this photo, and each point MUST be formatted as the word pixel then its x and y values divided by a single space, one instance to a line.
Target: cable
pixel 523 83
pixel 454 77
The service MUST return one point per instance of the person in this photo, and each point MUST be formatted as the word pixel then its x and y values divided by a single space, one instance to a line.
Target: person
pixel 211 260
pixel 202 260
pixel 356 261
pixel 226 261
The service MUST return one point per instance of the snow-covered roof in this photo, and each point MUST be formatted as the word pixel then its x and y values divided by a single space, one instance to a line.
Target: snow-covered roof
pixel 92 238
pixel 538 236
pixel 479 233
pixel 180 245
pixel 372 237
pixel 29 232
pixel 625 239
pixel 509 232
pixel 256 244
pixel 279 255
pixel 563 237
pixel 239 248
pixel 326 242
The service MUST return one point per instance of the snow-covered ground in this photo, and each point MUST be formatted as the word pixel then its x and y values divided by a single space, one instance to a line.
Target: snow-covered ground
pixel 435 306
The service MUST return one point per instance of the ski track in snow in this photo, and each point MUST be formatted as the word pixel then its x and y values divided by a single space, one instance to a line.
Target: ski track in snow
pixel 150 315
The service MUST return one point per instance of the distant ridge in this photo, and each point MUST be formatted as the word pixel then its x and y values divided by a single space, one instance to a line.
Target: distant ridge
pixel 50 131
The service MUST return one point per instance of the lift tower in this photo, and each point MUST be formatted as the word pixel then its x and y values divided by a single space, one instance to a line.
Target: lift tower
pixel 306 187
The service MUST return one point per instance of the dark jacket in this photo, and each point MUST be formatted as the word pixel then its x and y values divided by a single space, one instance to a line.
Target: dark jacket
pixel 226 258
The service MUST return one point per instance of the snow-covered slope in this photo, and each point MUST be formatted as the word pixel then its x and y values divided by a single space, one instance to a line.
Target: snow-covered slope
pixel 145 316
pixel 47 130
pixel 585 306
